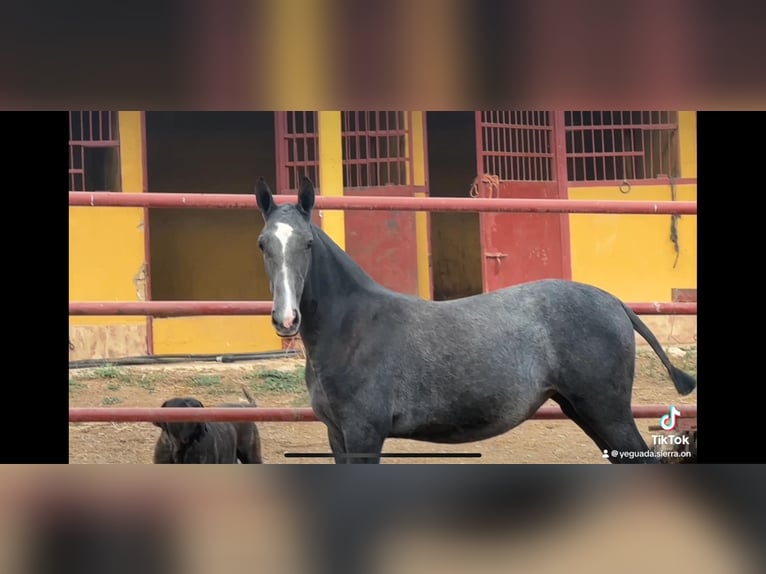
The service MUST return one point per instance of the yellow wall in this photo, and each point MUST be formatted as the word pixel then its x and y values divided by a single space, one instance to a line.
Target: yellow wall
pixel 687 135
pixel 208 335
pixel 209 254
pixel 106 252
pixel 632 256
pixel 106 244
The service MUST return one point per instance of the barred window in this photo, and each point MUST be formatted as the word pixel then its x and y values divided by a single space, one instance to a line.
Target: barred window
pixel 516 145
pixel 374 149
pixel 297 153
pixel 94 145
pixel 621 145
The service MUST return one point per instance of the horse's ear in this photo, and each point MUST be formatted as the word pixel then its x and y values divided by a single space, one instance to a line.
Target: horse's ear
pixel 263 197
pixel 306 197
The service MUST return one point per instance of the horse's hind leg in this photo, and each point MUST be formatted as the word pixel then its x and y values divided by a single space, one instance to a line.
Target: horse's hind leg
pixel 569 410
pixel 611 426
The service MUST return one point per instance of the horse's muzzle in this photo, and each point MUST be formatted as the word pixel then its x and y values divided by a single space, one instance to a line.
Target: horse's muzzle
pixel 287 326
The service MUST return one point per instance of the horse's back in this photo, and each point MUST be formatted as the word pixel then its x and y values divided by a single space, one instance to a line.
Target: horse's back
pixel 537 331
pixel 547 304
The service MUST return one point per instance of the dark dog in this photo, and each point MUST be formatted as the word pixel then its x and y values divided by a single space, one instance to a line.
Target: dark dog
pixel 207 442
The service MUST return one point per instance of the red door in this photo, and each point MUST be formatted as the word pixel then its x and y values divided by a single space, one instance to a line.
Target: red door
pixel 519 155
pixel 384 243
pixel 377 160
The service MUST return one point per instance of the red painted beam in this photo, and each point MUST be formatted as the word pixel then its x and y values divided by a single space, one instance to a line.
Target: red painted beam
pixel 170 308
pixel 260 414
pixel 196 308
pixel 237 201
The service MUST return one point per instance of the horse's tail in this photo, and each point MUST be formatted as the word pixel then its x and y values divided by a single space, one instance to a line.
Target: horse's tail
pixel 249 397
pixel 683 382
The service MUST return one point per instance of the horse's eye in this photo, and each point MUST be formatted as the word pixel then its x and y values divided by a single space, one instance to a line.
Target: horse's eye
pixel 309 243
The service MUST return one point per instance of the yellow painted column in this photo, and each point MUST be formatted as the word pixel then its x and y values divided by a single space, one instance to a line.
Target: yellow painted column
pixel 687 143
pixel 106 258
pixel 331 173
pixel 133 174
pixel 132 143
pixel 421 217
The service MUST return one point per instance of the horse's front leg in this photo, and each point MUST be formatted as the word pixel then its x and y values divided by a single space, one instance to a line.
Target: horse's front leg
pixel 363 441
pixel 337 444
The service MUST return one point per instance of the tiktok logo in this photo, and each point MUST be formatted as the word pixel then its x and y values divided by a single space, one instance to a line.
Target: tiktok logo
pixel 668 421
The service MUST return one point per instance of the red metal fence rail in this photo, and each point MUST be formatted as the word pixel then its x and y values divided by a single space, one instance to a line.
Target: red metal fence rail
pixel 236 201
pixel 197 308
pixel 232 201
pixel 262 414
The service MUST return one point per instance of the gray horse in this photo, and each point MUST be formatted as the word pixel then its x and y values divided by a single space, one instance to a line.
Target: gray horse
pixel 382 364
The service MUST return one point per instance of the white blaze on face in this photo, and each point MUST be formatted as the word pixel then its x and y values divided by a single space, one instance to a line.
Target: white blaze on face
pixel 285 312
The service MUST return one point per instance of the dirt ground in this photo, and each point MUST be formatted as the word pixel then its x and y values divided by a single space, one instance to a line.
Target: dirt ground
pixel 279 383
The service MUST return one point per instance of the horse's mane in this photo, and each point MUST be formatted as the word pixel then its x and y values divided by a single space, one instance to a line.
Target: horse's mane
pixel 352 269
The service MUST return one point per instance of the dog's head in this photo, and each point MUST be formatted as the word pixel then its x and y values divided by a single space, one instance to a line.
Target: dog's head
pixel 183 432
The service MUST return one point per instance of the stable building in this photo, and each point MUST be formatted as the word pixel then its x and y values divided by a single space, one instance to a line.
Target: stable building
pixel 136 254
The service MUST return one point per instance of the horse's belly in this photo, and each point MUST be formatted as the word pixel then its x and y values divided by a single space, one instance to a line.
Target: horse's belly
pixel 448 431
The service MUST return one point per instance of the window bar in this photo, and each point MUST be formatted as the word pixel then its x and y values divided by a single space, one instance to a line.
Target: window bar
pixel 393 157
pixel 531 139
pixel 530 129
pixel 537 135
pixel 305 144
pixel 583 160
pixel 613 159
pixel 356 136
pixel 504 155
pixel 383 138
pixel 541 148
pixel 499 131
pixel 602 130
pixel 507 157
pixel 491 142
pixel 550 147
pixel 485 147
pixel 511 163
pixel 524 133
pixel 633 146
pixel 348 167
pixel 405 143
pixel 294 147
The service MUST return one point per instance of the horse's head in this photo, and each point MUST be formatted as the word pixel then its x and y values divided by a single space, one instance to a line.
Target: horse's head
pixel 286 244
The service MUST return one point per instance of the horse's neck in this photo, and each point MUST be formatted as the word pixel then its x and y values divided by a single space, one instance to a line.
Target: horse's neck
pixel 332 280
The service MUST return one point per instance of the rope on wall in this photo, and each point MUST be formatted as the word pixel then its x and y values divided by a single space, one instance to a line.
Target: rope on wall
pixel 492 180
pixel 674 221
